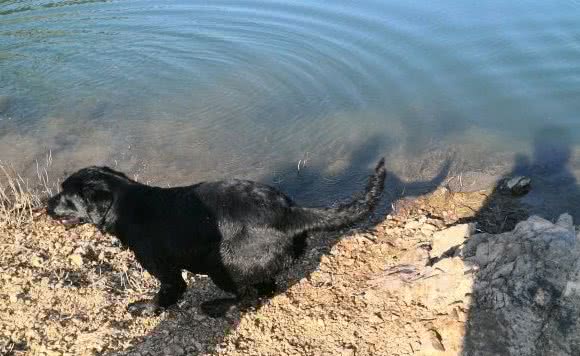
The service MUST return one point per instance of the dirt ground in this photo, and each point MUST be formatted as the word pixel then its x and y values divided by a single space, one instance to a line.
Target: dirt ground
pixel 65 292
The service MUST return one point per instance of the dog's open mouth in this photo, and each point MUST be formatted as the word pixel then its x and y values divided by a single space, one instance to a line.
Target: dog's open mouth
pixel 69 221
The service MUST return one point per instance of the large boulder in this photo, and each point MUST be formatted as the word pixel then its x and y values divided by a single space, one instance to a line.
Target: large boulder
pixel 525 298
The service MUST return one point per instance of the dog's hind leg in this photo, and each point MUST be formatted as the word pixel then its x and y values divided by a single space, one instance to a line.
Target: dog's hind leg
pixel 245 297
pixel 172 288
pixel 219 307
pixel 266 289
pixel 247 267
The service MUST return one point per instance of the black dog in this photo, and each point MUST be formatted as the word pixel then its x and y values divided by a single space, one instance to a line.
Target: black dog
pixel 240 233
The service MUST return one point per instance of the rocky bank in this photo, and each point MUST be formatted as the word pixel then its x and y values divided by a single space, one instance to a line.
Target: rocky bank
pixel 445 274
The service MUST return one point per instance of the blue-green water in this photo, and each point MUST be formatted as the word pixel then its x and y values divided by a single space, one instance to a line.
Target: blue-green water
pixel 177 91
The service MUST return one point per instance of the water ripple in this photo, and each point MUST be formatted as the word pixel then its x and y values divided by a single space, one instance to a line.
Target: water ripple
pixel 243 79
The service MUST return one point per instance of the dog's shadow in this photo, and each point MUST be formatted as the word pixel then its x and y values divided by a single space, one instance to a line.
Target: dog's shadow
pixel 184 329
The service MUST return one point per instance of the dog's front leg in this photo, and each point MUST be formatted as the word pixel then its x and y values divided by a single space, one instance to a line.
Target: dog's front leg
pixel 172 288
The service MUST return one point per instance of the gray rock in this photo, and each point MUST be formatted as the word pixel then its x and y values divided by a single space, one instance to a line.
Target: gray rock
pixel 174 350
pixel 525 295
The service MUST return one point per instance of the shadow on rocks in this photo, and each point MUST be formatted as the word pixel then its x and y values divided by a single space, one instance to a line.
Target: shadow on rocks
pixel 543 185
pixel 525 297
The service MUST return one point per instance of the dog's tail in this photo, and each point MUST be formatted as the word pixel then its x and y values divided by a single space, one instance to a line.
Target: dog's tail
pixel 327 219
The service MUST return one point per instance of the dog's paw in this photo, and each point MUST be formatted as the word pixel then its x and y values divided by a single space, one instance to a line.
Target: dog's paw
pixel 217 308
pixel 144 308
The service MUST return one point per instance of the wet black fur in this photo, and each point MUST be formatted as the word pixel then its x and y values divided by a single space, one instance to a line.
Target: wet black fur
pixel 240 233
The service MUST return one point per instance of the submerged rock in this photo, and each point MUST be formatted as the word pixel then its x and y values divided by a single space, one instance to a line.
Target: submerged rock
pixel 4 103
pixel 517 186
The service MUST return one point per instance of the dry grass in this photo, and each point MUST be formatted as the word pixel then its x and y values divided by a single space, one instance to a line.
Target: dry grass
pixel 20 199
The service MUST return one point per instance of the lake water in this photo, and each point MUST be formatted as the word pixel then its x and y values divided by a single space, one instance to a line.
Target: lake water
pixel 179 91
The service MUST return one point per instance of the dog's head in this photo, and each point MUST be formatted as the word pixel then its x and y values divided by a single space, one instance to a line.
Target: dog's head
pixel 86 196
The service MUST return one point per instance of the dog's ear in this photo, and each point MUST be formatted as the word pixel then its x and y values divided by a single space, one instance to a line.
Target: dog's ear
pixel 98 199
